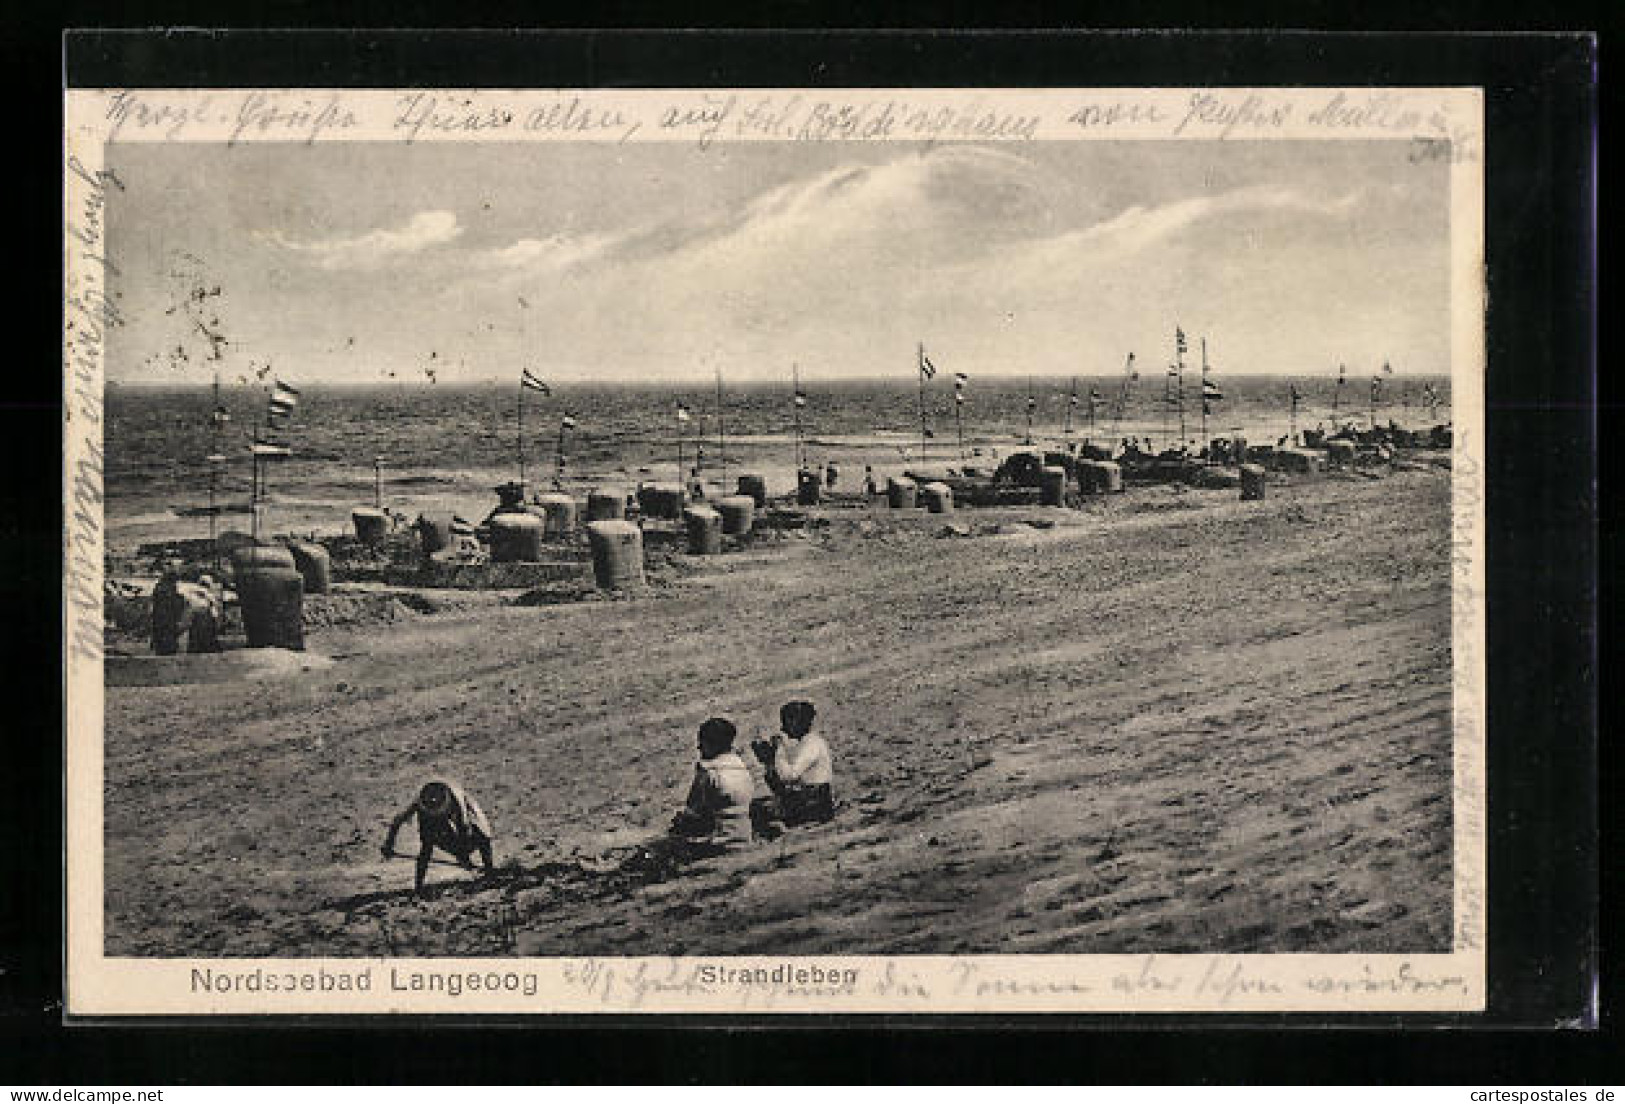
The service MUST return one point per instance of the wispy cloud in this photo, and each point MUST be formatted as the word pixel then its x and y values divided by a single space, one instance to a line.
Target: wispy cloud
pixel 376 247
pixel 553 253
pixel 1140 227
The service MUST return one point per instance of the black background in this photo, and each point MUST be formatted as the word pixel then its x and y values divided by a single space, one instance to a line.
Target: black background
pixel 1543 411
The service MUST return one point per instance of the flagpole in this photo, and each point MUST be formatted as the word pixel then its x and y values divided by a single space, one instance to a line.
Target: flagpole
pixel 921 367
pixel 795 401
pixel 1167 410
pixel 959 419
pixel 214 468
pixel 1029 410
pixel 722 437
pixel 1123 395
pixel 1071 401
pixel 259 477
pixel 1292 412
pixel 1337 396
pixel 378 482
pixel 1202 444
pixel 558 472
pixel 521 406
pixel 682 476
pixel 1179 387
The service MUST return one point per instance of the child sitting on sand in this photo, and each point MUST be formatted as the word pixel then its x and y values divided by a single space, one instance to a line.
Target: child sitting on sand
pixel 719 799
pixel 799 767
pixel 448 819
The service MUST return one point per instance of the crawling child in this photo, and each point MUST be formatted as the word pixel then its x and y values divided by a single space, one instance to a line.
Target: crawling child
pixel 448 819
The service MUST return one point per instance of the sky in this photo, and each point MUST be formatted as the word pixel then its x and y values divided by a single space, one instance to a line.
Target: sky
pixel 346 262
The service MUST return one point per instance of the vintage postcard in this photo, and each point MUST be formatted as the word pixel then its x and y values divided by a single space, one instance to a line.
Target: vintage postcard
pixel 774 551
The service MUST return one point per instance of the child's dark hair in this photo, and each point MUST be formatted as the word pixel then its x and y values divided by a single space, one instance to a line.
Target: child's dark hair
pixel 435 798
pixel 797 715
pixel 717 735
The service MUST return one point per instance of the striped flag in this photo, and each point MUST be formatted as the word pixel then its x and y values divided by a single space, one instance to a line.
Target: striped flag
pixel 1376 388
pixel 1032 403
pixel 1179 339
pixel 221 416
pixel 960 379
pixel 282 401
pixel 1072 399
pixel 1210 390
pixel 1387 369
pixel 1296 395
pixel 682 413
pixel 265 451
pixel 531 382
pixel 1095 397
pixel 927 369
pixel 800 398
pixel 959 397
pixel 569 422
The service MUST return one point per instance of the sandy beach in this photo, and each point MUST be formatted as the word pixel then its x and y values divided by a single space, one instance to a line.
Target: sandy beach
pixel 1167 721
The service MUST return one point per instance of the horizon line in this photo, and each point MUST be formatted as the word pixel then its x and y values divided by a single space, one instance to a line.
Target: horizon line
pixel 748 381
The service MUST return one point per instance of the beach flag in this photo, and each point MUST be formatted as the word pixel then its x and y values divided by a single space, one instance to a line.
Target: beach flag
pixel 569 422
pixel 1094 397
pixel 1295 394
pixel 1179 339
pixel 1032 403
pixel 960 379
pixel 530 382
pixel 1342 374
pixel 1210 390
pixel 221 416
pixel 282 400
pixel 1387 369
pixel 959 396
pixel 1072 399
pixel 682 413
pixel 801 398
pixel 927 369
pixel 1376 387
pixel 264 451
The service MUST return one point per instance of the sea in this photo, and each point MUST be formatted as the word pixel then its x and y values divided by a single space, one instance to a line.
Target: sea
pixel 413 442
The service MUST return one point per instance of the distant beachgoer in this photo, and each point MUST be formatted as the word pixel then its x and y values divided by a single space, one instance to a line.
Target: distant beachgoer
pixel 869 487
pixel 830 475
pixel 799 767
pixel 717 808
pixel 448 819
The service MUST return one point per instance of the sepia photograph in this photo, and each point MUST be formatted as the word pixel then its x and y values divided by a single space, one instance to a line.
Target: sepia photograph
pixel 703 551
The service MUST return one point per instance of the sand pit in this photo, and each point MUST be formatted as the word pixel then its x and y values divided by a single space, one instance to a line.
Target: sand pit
pixel 1168 723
